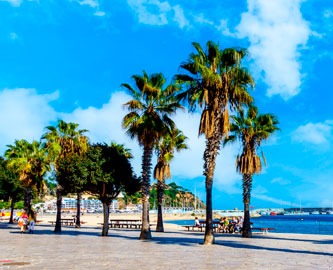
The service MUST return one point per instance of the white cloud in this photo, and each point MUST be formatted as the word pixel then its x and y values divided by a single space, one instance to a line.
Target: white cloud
pixel 155 12
pixel 270 199
pixel 328 13
pixel 180 17
pixel 24 114
pixel 318 133
pixel 99 13
pixel 280 181
pixel 15 3
pixel 223 27
pixel 13 36
pixel 94 4
pixel 276 31
pixel 200 18
pixel 91 3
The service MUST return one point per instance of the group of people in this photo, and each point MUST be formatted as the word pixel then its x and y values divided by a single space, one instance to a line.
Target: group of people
pixel 225 225
pixel 233 226
pixel 26 221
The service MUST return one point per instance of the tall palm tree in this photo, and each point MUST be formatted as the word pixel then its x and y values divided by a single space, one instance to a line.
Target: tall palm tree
pixel 251 130
pixel 215 81
pixel 149 120
pixel 165 152
pixel 63 140
pixel 30 161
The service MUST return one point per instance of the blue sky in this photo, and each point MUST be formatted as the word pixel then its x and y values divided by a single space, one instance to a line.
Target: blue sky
pixel 66 59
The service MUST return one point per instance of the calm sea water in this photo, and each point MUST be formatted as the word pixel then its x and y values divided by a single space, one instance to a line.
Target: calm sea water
pixel 303 224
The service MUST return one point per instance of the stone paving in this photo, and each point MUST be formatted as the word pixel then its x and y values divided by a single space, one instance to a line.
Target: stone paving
pixel 84 248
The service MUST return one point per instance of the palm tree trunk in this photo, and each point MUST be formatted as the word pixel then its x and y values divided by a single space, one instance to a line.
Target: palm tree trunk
pixel 160 193
pixel 145 189
pixel 78 210
pixel 247 186
pixel 12 205
pixel 27 199
pixel 106 214
pixel 57 227
pixel 211 151
pixel 209 234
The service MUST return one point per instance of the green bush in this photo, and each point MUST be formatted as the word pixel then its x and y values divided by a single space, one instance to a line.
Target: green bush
pixel 19 205
pixel 4 205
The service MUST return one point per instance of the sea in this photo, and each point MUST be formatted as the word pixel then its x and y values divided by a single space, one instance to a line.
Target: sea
pixel 300 224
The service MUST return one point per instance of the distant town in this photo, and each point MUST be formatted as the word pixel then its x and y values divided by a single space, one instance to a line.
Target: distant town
pixel 95 206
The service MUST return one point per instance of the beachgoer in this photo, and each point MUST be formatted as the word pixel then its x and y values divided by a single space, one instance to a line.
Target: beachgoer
pixel 220 226
pixel 197 222
pixel 225 225
pixel 31 221
pixel 238 225
pixel 23 222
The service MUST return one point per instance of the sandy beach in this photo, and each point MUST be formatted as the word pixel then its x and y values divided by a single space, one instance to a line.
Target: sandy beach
pixel 176 248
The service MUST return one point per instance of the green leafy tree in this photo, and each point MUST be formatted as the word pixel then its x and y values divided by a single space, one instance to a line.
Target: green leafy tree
pixel 215 81
pixel 165 152
pixel 251 130
pixel 11 189
pixel 148 121
pixel 109 173
pixel 30 162
pixel 62 141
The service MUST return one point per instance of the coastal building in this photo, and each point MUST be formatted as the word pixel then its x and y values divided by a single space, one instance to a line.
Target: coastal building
pixel 87 205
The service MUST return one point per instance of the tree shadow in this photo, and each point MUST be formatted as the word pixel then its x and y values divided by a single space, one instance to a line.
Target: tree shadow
pixel 238 245
pixel 323 241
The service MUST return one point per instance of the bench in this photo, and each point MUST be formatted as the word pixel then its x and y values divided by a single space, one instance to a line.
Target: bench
pixel 124 223
pixel 66 221
pixel 264 230
pixel 193 227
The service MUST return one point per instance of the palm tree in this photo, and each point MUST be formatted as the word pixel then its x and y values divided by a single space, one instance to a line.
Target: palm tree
pixel 11 189
pixel 30 162
pixel 165 152
pixel 62 141
pixel 251 130
pixel 149 120
pixel 215 81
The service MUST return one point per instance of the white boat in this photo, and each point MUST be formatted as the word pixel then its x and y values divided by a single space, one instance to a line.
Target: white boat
pixel 315 213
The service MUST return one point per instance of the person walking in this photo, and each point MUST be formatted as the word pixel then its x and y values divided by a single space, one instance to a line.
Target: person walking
pixel 23 222
pixel 31 221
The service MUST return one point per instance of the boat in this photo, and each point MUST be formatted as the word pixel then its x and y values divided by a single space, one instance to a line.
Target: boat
pixel 314 213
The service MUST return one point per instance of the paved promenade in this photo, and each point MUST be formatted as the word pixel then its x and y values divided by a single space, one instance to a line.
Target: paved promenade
pixel 177 249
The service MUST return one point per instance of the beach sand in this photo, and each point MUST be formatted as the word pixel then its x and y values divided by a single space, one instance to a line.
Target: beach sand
pixel 176 248
pixel 97 219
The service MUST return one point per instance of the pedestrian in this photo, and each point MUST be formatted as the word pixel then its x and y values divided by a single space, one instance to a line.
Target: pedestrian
pixel 31 221
pixel 23 222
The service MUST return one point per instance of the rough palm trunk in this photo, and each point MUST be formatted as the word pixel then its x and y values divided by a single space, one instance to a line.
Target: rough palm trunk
pixel 57 227
pixel 12 205
pixel 145 189
pixel 247 185
pixel 27 199
pixel 106 214
pixel 211 151
pixel 78 210
pixel 160 193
